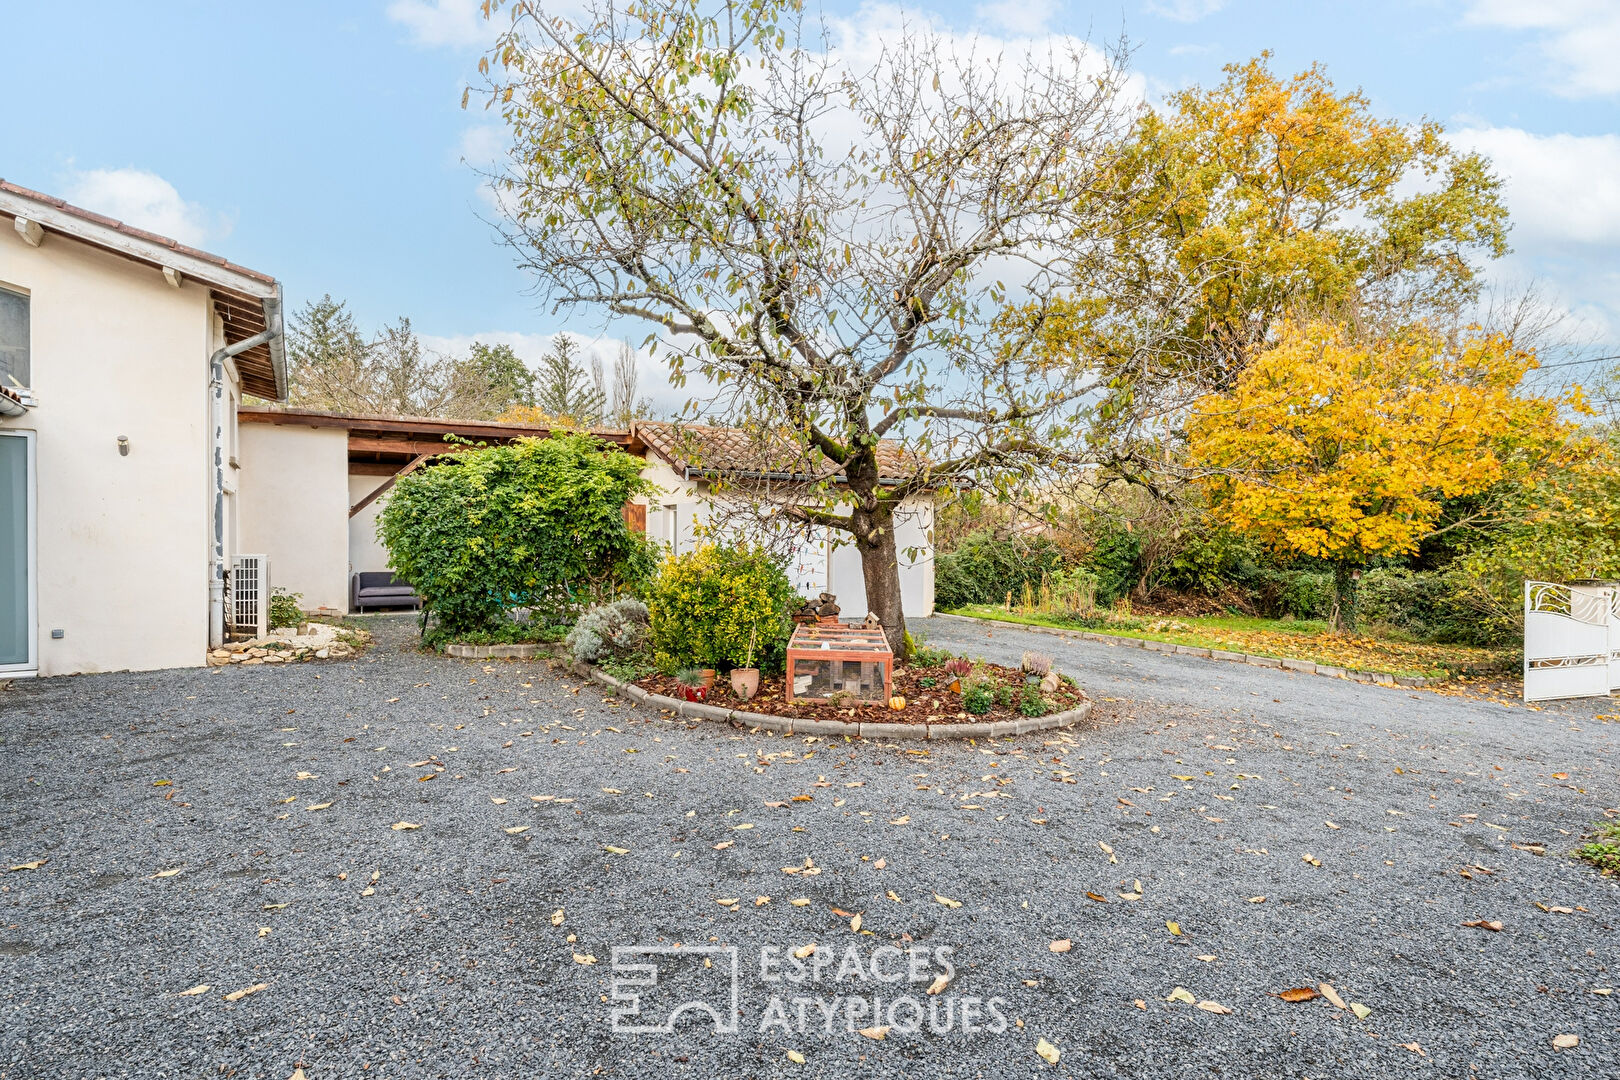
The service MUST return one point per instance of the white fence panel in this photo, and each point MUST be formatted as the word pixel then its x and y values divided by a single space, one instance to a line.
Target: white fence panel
pixel 1569 640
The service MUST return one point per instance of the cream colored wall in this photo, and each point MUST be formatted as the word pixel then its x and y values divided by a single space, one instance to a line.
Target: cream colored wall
pixel 365 553
pixel 914 526
pixel 293 505
pixel 122 542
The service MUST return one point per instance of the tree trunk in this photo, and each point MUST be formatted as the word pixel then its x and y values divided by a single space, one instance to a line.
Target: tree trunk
pixel 1346 597
pixel 880 568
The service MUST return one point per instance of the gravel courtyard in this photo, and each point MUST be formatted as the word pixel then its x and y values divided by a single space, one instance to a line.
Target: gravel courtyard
pixel 241 829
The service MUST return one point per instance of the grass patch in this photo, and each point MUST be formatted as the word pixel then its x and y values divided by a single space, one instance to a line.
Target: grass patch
pixel 1602 848
pixel 1370 649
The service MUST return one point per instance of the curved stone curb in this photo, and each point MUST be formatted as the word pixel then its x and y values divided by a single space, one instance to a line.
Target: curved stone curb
pixel 500 652
pixel 1382 678
pixel 789 725
pixel 784 725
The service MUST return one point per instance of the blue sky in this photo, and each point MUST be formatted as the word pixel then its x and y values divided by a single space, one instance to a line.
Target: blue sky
pixel 324 142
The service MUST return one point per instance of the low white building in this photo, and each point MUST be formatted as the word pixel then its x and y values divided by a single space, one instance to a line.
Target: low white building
pixel 314 482
pixel 123 356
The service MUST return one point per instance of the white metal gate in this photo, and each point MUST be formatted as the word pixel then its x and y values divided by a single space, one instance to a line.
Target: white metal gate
pixel 1571 640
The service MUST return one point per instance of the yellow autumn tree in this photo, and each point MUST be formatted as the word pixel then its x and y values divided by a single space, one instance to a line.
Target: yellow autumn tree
pixel 1340 448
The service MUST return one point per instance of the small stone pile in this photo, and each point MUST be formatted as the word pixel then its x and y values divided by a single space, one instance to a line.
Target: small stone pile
pixel 247 652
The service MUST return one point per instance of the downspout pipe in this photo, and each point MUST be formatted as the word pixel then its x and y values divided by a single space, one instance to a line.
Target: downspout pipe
pixel 216 421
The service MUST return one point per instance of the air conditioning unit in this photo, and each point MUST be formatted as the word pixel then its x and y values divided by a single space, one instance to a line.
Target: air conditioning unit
pixel 249 607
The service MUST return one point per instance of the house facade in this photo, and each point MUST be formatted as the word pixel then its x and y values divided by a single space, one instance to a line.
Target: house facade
pixel 123 356
pixel 314 482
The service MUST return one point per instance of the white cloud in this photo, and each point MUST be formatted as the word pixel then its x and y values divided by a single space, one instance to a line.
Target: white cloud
pixel 1183 10
pixel 1563 190
pixel 146 201
pixel 1579 39
pixel 454 23
pixel 1016 18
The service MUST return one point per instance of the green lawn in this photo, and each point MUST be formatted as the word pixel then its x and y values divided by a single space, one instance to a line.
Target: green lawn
pixel 1299 639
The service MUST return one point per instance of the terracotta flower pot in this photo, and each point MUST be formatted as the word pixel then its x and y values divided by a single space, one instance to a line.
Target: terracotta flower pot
pixel 745 682
pixel 709 675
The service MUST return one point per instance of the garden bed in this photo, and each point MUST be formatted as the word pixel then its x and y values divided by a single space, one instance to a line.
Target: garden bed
pixel 935 704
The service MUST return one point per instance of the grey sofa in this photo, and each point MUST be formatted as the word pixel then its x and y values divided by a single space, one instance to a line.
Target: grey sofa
pixel 380 588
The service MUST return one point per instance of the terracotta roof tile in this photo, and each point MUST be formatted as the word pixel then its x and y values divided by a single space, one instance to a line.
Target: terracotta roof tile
pixel 741 450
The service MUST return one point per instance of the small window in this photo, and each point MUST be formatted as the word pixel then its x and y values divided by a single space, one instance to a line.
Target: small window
pixel 13 339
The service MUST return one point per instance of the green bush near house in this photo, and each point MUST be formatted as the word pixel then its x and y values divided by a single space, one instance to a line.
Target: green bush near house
pixel 721 607
pixel 538 523
pixel 285 608
pixel 985 567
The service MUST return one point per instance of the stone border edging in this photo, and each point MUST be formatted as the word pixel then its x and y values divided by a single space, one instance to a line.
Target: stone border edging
pixel 782 725
pixel 1308 667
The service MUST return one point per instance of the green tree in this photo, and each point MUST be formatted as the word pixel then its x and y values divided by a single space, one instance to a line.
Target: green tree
pixel 510 381
pixel 538 523
pixel 564 390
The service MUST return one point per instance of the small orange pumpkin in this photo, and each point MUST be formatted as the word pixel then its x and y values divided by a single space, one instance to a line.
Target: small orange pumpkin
pixel 897 703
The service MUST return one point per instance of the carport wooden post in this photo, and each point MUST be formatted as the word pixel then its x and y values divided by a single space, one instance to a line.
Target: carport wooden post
pixel 386 484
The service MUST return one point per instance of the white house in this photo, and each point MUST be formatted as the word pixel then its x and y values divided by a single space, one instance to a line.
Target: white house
pixel 313 483
pixel 123 356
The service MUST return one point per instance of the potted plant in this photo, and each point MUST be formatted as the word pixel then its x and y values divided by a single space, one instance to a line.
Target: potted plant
pixel 693 687
pixel 745 679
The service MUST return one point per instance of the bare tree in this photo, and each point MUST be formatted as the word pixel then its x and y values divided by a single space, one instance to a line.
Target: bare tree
pixel 828 244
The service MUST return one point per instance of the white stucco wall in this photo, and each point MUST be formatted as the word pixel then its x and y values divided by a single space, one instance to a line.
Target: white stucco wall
pixel 122 542
pixel 365 553
pixel 680 510
pixel 293 506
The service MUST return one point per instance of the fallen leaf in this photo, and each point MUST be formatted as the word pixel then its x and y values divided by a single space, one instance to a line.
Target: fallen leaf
pixel 1299 993
pixel 610 849
pixel 1181 993
pixel 795 1057
pixel 35 865
pixel 881 863
pixel 401 826
pixel 722 845
pixel 1208 958
pixel 761 901
pixel 1415 1048
pixel 947 901
pixel 892 895
pixel 1048 1052
pixel 1099 897
pixel 855 924
pixel 368 891
pixel 1332 995
pixel 1565 1042
pixel 875 1033
pixel 1257 899
pixel 1361 1011
pixel 725 901
pixel 168 873
pixel 1312 859
pixel 1061 945
pixel 515 829
pixel 317 806
pixel 804 950
pixel 584 958
pixel 1213 1006
pixel 938 985
pixel 557 917
pixel 238 995
pixel 904 819
pixel 275 907
pixel 803 901
pixel 1174 928
pixel 497 802
pixel 195 990
pixel 1485 924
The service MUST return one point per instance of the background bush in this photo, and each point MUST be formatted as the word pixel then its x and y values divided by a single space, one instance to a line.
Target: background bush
pixel 538 523
pixel 985 567
pixel 706 605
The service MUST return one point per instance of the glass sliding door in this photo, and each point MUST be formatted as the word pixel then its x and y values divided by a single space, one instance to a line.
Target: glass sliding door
pixel 16 555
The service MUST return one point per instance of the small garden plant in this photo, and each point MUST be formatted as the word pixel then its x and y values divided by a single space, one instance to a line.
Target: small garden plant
pixel 286 608
pixel 721 606
pixel 1602 849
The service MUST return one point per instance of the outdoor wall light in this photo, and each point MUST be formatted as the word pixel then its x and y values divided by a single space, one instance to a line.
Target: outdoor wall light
pixel 123 446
